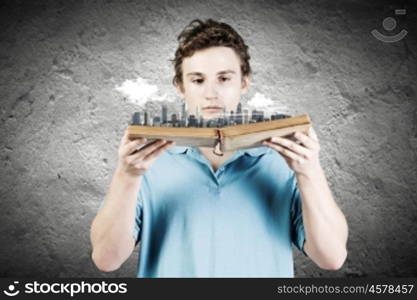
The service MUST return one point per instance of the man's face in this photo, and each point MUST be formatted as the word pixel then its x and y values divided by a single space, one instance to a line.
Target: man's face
pixel 212 82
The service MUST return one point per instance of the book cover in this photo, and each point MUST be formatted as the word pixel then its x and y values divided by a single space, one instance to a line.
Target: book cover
pixel 229 138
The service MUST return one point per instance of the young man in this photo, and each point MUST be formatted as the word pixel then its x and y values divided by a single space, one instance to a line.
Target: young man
pixel 201 215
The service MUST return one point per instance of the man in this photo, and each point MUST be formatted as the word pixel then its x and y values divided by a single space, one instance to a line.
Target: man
pixel 197 214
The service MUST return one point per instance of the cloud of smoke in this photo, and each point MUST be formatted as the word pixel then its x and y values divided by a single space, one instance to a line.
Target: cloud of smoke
pixel 261 102
pixel 139 91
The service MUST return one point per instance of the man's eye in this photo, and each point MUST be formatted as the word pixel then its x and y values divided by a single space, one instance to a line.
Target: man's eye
pixel 224 79
pixel 198 81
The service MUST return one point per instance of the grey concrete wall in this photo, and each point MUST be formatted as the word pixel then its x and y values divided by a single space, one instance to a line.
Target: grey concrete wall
pixel 62 120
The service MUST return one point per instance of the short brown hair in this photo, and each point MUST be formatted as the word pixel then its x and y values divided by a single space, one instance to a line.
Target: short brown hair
pixel 199 35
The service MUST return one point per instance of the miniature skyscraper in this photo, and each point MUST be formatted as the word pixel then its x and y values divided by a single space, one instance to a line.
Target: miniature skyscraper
pixel 136 118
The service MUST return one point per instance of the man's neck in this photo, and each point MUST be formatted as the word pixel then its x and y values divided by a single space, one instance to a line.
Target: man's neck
pixel 214 159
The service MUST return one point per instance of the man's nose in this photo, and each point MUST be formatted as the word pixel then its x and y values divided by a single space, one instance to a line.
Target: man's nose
pixel 210 91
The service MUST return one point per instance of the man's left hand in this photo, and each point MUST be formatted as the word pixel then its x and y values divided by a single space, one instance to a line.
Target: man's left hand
pixel 302 157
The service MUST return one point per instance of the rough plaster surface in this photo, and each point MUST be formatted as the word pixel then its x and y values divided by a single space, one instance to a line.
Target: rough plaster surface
pixel 62 120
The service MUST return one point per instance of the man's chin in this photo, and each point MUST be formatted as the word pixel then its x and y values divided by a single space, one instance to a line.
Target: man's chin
pixel 211 116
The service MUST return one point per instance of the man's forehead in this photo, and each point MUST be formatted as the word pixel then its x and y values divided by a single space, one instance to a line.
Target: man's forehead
pixel 222 72
pixel 212 60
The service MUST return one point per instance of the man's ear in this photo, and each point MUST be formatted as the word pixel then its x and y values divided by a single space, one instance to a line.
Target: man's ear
pixel 180 90
pixel 245 84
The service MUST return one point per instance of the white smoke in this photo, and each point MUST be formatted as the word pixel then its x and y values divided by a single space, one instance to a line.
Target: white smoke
pixel 139 91
pixel 261 102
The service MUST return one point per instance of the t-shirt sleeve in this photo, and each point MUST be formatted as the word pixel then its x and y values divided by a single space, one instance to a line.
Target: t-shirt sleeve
pixel 297 226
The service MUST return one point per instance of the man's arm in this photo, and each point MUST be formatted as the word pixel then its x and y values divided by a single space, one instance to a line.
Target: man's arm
pixel 112 229
pixel 324 224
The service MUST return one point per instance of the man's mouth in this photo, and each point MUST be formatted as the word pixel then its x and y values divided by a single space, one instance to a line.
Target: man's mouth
pixel 212 108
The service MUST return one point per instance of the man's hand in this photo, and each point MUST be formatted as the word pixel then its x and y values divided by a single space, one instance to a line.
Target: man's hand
pixel 134 161
pixel 302 157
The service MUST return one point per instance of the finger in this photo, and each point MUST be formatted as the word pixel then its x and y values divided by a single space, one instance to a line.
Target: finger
pixel 306 140
pixel 153 154
pixel 298 149
pixel 132 146
pixel 158 151
pixel 312 134
pixel 125 138
pixel 286 152
pixel 147 150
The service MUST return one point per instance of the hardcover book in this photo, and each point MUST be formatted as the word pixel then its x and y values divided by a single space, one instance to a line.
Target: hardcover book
pixel 227 138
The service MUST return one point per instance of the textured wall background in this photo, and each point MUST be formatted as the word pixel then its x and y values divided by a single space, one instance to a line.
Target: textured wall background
pixel 62 120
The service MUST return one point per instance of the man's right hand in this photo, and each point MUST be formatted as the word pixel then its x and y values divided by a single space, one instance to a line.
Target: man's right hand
pixel 133 162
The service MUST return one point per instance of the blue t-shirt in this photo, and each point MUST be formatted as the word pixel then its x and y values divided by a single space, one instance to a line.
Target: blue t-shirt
pixel 239 221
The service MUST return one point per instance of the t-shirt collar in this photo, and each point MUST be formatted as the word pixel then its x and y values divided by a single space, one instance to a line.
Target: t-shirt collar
pixel 255 151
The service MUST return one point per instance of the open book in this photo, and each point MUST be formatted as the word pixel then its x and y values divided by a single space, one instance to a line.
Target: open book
pixel 229 137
